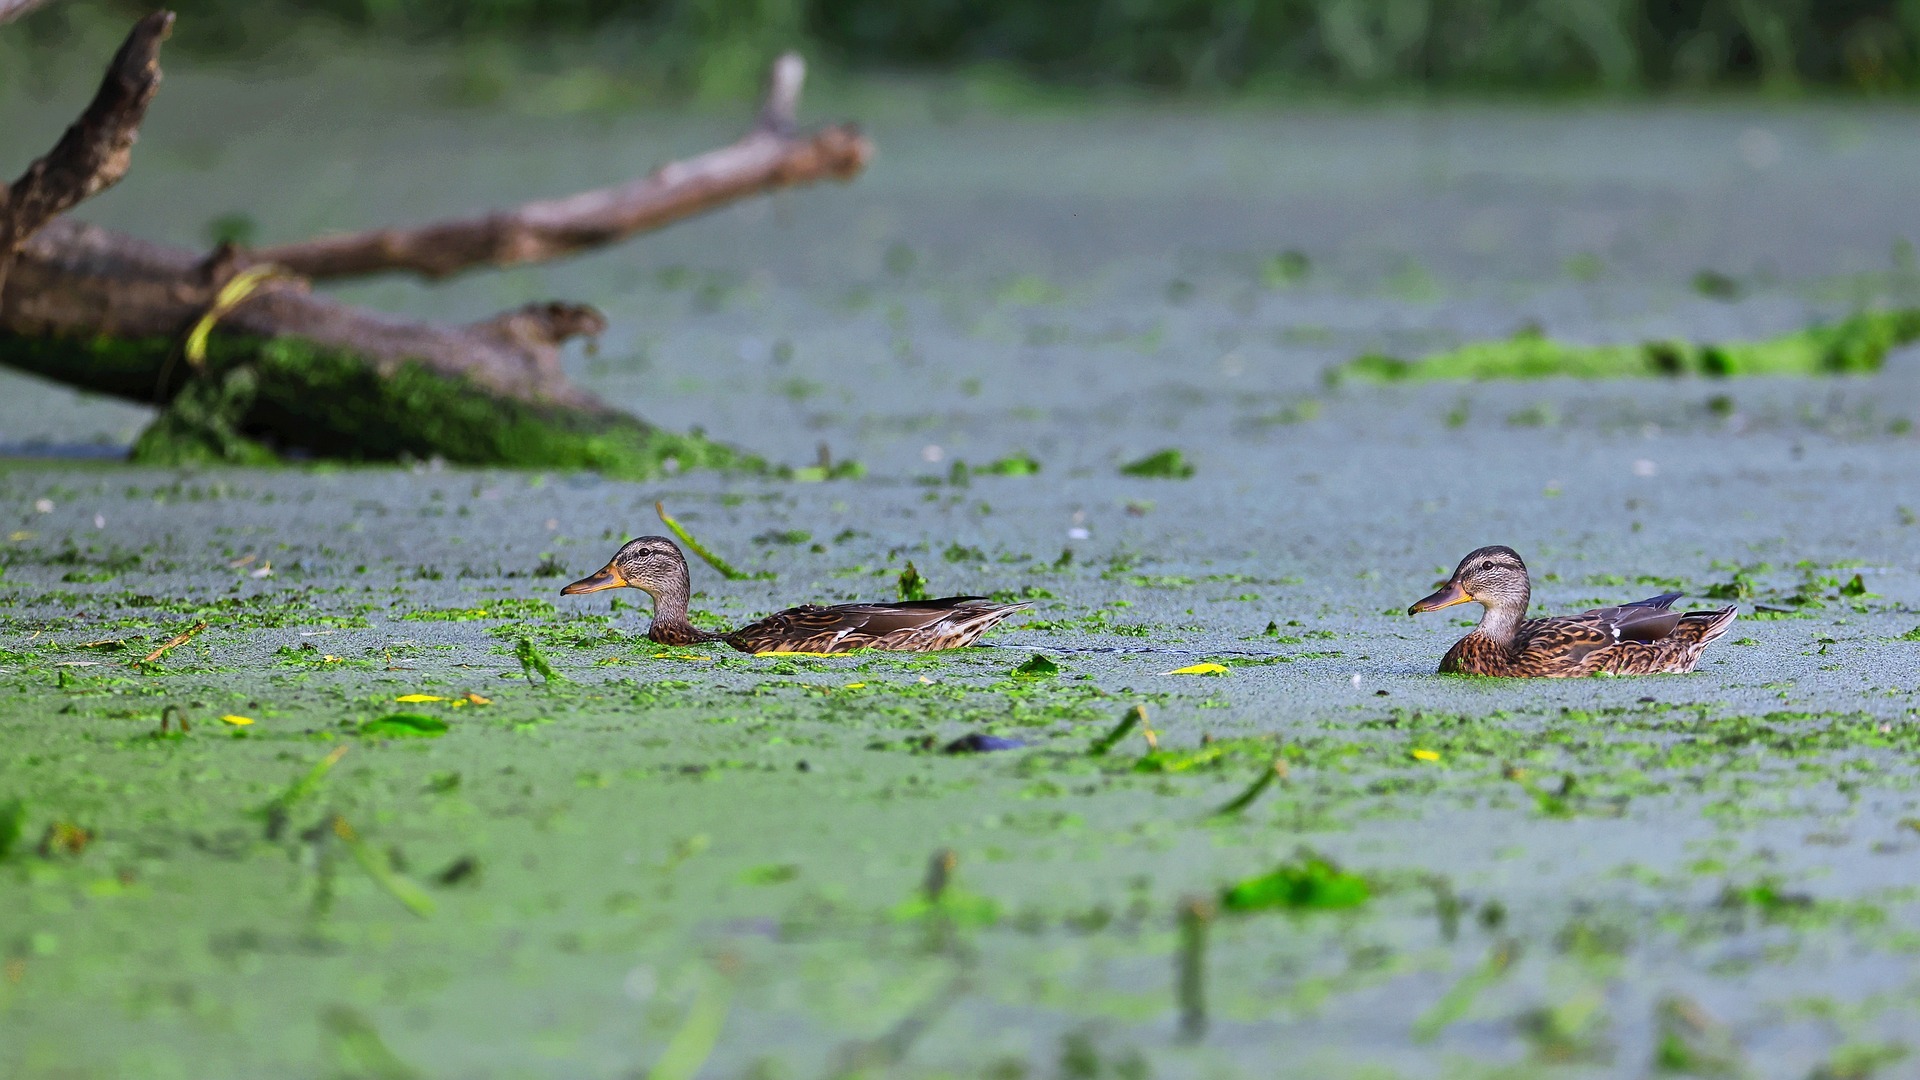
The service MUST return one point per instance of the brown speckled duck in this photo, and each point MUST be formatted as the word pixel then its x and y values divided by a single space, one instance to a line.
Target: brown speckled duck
pixel 654 565
pixel 1641 638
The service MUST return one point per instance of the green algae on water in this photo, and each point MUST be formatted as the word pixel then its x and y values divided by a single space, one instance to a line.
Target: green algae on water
pixel 1036 667
pixel 912 585
pixel 1309 883
pixel 405 725
pixel 1168 464
pixel 1853 346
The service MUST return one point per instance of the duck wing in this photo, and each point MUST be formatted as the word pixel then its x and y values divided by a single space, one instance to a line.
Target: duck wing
pixel 1643 620
pixel 910 624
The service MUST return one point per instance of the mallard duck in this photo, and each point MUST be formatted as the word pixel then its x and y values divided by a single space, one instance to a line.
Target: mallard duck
pixel 655 566
pixel 1641 638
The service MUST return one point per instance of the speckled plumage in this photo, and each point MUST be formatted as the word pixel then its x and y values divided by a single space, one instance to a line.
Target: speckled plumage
pixel 1641 638
pixel 655 565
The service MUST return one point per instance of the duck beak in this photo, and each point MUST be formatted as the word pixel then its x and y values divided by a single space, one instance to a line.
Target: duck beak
pixel 1450 594
pixel 608 577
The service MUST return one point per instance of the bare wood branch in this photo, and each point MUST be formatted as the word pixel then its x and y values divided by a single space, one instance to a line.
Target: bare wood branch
pixel 96 150
pixel 17 9
pixel 280 367
pixel 769 157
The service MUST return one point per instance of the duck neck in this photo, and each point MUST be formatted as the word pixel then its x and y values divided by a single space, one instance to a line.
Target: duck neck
pixel 670 623
pixel 1502 619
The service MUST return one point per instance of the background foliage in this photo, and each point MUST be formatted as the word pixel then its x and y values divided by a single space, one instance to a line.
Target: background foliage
pixel 1526 45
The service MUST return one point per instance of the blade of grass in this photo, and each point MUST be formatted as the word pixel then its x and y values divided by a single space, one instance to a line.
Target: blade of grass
pixel 1460 997
pixel 1275 771
pixel 304 786
pixel 699 1033
pixel 1130 719
pixel 727 570
pixel 411 896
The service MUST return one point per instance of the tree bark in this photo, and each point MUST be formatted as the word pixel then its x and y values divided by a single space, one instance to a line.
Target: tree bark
pixel 287 370
pixel 768 157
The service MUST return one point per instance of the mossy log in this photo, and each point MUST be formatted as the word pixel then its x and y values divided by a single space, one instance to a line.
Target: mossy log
pixel 247 364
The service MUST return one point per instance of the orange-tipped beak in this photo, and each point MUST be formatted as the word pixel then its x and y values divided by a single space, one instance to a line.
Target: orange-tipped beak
pixel 608 577
pixel 1450 594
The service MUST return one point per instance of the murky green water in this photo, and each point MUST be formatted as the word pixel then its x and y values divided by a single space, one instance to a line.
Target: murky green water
pixel 582 876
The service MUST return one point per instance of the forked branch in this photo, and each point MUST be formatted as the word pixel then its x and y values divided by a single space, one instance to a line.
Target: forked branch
pixel 96 150
pixel 770 156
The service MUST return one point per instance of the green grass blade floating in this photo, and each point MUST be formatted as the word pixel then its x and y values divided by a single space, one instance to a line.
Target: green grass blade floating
pixel 360 1049
pixel 306 784
pixel 1461 995
pixel 1276 771
pixel 699 1033
pixel 411 896
pixel 13 822
pixel 727 569
pixel 1129 720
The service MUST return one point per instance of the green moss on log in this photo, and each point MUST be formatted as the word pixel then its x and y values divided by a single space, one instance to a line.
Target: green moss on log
pixel 1857 345
pixel 297 396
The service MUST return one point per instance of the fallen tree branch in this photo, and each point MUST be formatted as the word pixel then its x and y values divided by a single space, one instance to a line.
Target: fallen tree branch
pixel 768 157
pixel 244 370
pixel 96 150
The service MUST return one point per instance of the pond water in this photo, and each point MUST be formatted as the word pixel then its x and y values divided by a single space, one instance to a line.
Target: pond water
pixel 602 875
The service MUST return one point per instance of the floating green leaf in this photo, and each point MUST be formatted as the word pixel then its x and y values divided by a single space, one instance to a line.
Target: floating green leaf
pixel 1168 464
pixel 1036 667
pixel 1011 465
pixel 1308 883
pixel 912 585
pixel 405 725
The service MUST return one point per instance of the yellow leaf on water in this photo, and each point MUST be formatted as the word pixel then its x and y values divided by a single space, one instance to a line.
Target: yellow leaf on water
pixel 791 652
pixel 855 686
pixel 1198 669
pixel 412 698
pixel 1426 755
pixel 476 699
pixel 329 659
pixel 237 721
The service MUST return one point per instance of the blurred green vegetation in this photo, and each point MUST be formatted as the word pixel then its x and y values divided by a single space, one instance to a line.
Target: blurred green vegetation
pixel 1208 45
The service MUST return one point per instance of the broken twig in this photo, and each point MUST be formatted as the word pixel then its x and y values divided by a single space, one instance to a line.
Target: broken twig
pixel 172 643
